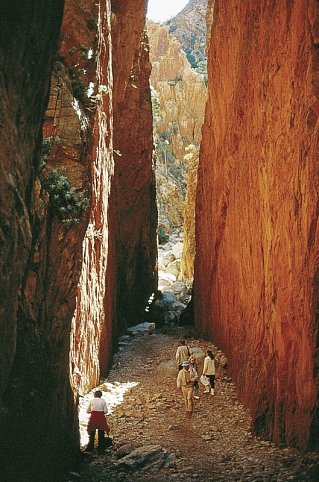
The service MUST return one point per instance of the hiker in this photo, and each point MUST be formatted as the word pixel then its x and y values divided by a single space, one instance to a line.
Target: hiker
pixel 98 409
pixel 209 370
pixel 194 374
pixel 185 382
pixel 182 353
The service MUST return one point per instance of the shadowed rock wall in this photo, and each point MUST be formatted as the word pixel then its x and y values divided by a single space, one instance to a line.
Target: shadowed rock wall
pixel 256 270
pixel 28 39
pixel 132 273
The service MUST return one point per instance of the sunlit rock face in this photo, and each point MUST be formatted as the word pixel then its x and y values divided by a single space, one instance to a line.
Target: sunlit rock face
pixel 27 46
pixel 89 57
pixel 256 270
pixel 131 276
pixel 179 98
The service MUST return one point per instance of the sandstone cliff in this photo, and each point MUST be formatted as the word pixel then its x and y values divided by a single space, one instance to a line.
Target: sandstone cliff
pixel 179 96
pixel 132 217
pixel 54 219
pixel 73 167
pixel 256 270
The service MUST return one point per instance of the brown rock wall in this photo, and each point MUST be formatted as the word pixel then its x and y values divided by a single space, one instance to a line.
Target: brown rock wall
pixel 257 250
pixel 89 317
pixel 28 41
pixel 80 126
pixel 132 214
pixel 21 86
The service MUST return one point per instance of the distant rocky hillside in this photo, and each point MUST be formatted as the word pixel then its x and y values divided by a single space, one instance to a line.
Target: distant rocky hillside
pixel 178 98
pixel 189 26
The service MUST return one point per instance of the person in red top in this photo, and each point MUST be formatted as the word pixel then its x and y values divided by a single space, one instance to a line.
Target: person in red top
pixel 98 409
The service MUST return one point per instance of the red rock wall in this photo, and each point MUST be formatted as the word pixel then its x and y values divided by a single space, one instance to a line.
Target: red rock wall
pixel 132 215
pixel 28 41
pixel 89 318
pixel 60 272
pixel 44 412
pixel 256 270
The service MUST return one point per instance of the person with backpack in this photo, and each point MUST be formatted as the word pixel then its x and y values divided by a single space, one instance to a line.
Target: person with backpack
pixel 209 370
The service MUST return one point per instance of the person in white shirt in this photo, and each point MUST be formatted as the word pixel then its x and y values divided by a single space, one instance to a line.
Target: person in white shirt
pixel 182 353
pixel 98 409
pixel 209 370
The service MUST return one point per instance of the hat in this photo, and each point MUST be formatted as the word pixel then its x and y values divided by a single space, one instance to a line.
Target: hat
pixel 185 363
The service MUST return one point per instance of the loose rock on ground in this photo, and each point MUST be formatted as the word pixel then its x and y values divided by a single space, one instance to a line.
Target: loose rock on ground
pixel 154 441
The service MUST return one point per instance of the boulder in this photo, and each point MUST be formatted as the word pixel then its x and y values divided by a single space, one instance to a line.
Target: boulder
pixel 142 329
pixel 146 457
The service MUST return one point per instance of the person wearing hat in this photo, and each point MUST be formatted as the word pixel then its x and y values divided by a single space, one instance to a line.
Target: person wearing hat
pixel 185 382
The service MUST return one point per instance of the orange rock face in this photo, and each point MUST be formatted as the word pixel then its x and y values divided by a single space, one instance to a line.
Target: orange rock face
pixel 180 97
pixel 256 271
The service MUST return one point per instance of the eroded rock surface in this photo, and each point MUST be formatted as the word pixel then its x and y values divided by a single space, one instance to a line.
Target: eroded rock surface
pixel 256 286
pixel 132 275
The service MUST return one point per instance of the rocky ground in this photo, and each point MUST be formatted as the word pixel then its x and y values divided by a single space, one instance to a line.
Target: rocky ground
pixel 216 444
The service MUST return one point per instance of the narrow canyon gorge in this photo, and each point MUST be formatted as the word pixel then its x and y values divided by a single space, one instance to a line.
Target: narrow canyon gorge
pixel 95 103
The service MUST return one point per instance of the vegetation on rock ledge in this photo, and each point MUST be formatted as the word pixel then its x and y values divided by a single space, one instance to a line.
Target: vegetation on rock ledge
pixel 66 202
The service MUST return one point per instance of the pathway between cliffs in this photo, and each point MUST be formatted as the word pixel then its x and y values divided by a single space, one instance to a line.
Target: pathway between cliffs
pixel 216 444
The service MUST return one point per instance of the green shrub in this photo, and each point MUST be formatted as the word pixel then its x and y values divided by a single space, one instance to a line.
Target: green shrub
pixel 66 203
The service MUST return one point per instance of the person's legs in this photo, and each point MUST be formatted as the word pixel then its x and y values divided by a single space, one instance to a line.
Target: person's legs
pixel 189 408
pixel 212 384
pixel 90 446
pixel 207 387
pixel 101 437
pixel 185 394
pixel 196 390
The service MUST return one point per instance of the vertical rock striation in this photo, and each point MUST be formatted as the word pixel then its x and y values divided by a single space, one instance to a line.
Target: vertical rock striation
pixel 256 270
pixel 95 115
pixel 132 275
pixel 77 135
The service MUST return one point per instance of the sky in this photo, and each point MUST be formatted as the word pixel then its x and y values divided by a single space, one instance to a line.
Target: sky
pixel 161 10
